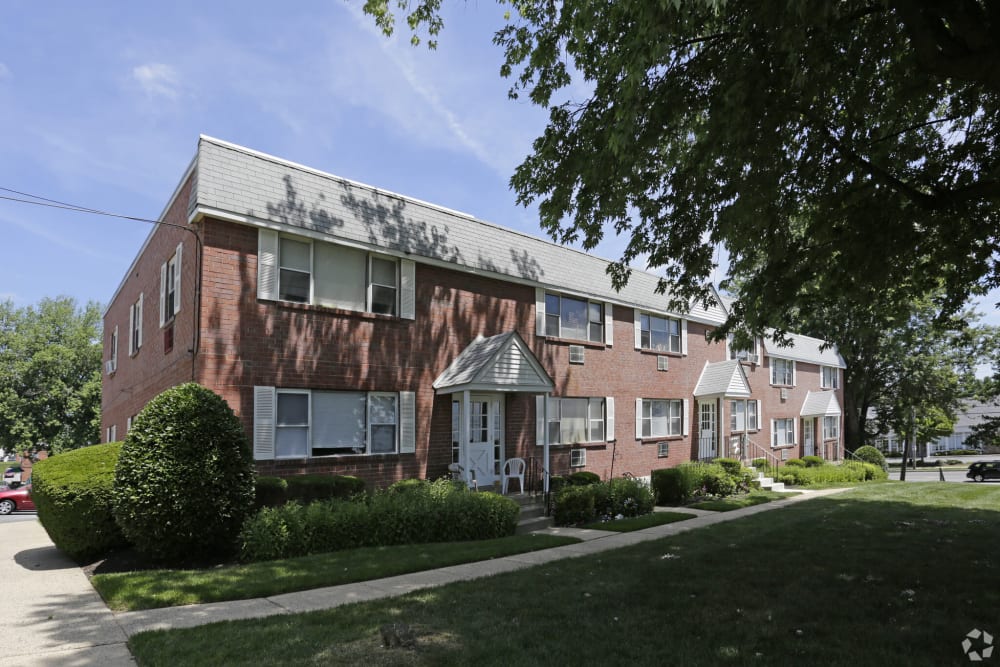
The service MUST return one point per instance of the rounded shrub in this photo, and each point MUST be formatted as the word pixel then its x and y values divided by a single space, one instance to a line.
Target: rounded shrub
pixel 73 493
pixel 812 461
pixel 731 466
pixel 184 482
pixel 583 478
pixel 795 463
pixel 270 492
pixel 870 454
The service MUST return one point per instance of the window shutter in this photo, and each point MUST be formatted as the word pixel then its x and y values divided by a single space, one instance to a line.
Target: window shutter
pixel 114 349
pixel 684 336
pixel 686 418
pixel 163 293
pixel 138 327
pixel 609 418
pixel 638 418
pixel 407 422
pixel 760 415
pixel 638 328
pixel 177 279
pixel 267 264
pixel 609 324
pixel 263 423
pixel 795 431
pixel 793 373
pixel 539 420
pixel 131 329
pixel 539 311
pixel 407 289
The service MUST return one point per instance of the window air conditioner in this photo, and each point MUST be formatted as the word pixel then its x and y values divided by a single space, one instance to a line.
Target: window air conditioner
pixel 109 366
pixel 784 394
pixel 576 354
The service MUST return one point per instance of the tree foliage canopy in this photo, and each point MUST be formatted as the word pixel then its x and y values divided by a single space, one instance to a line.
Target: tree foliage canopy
pixel 50 375
pixel 850 144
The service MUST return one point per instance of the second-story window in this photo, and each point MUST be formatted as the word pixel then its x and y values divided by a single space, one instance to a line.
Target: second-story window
pixel 295 262
pixel 579 319
pixel 782 372
pixel 382 286
pixel 662 334
pixel 135 327
pixel 830 377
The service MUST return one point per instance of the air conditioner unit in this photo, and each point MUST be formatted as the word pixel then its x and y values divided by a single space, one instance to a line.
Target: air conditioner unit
pixel 577 458
pixel 662 363
pixel 109 366
pixel 753 359
pixel 784 394
pixel 576 354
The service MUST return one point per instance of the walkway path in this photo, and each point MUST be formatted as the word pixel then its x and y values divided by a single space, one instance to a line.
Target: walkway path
pixel 62 621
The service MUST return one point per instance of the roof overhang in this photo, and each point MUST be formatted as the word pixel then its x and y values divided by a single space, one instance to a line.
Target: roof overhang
pixel 502 363
pixel 820 404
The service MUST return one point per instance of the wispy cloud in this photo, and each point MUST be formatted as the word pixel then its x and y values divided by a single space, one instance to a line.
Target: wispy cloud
pixel 157 80
pixel 4 72
pixel 62 240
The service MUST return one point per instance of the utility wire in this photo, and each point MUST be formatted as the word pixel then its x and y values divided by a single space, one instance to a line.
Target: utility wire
pixel 54 203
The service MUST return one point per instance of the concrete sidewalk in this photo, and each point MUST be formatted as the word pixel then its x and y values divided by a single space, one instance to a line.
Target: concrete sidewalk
pixel 58 619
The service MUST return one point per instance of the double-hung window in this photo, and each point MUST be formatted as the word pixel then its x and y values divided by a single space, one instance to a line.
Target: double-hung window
pixel 662 334
pixel 740 353
pixel 382 287
pixel 782 372
pixel 575 420
pixel 743 416
pixel 829 377
pixel 295 270
pixel 782 432
pixel 325 423
pixel 579 319
pixel 112 364
pixel 135 327
pixel 661 418
pixel 831 428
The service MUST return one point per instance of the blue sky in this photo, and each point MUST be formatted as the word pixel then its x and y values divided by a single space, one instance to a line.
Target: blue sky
pixel 101 105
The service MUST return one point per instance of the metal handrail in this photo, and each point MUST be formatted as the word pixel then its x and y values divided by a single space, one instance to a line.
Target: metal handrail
pixel 773 461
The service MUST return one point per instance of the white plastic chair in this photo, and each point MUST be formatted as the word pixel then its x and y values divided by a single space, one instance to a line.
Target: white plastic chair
pixel 513 469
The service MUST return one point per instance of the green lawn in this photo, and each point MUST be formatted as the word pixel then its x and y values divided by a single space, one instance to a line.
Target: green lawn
pixel 150 589
pixel 640 522
pixel 736 502
pixel 883 574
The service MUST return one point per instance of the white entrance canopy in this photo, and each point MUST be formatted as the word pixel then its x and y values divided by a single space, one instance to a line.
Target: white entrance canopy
pixel 723 378
pixel 820 404
pixel 498 363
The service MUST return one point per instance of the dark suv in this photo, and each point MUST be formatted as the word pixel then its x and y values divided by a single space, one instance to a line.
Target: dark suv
pixel 980 471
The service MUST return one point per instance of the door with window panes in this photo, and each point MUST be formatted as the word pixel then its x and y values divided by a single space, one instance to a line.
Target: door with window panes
pixel 707 445
pixel 485 437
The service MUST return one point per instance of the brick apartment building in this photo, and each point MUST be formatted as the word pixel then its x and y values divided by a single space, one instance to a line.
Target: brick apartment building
pixel 356 331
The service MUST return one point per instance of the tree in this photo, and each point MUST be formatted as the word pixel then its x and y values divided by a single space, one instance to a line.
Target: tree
pixel 50 375
pixel 852 141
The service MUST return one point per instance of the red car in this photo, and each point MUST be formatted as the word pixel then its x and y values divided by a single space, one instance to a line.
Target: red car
pixel 16 499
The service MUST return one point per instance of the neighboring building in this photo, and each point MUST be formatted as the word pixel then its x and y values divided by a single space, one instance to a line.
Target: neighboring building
pixel 360 332
pixel 973 413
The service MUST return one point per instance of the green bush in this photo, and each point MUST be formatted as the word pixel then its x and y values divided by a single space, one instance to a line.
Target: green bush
pixel 438 511
pixel 184 482
pixel 731 466
pixel 795 463
pixel 759 463
pixel 310 488
pixel 716 481
pixel 73 493
pixel 575 505
pixel 848 472
pixel 675 486
pixel 583 478
pixel 630 497
pixel 617 498
pixel 870 454
pixel 408 485
pixel 270 492
pixel 813 461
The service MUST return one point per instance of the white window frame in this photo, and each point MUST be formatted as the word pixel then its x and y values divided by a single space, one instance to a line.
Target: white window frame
pixel 674 423
pixel 577 458
pixel 369 423
pixel 744 415
pixel 112 433
pixel 555 416
pixel 787 428
pixel 788 372
pixel 595 327
pixel 829 377
pixel 370 284
pixel 282 268
pixel 397 423
pixel 170 287
pixel 831 432
pixel 135 327
pixel 113 354
pixel 646 333
pixel 307 425
pixel 750 355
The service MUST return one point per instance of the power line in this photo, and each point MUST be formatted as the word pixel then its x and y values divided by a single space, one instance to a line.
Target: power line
pixel 37 200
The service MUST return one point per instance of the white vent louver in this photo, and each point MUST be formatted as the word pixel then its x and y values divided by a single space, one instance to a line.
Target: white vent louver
pixel 662 363
pixel 784 394
pixel 577 458
pixel 576 354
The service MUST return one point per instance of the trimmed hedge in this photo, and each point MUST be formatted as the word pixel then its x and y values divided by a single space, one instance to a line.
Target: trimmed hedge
pixel 619 497
pixel 184 482
pixel 439 511
pixel 269 492
pixel 850 471
pixel 583 478
pixel 73 493
pixel 721 478
pixel 309 488
pixel 870 454
pixel 812 461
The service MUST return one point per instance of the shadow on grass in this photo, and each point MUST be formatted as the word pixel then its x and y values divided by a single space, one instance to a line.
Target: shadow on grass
pixel 884 574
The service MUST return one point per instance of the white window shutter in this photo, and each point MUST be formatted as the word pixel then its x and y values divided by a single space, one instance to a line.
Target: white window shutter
pixel 267 264
pixel 609 418
pixel 609 324
pixel 684 336
pixel 795 431
pixel 177 279
pixel 138 327
pixel 114 349
pixel 760 415
pixel 407 422
pixel 686 418
pixel 638 328
pixel 264 406
pixel 131 329
pixel 638 418
pixel 793 373
pixel 407 289
pixel 163 293
pixel 539 420
pixel 539 311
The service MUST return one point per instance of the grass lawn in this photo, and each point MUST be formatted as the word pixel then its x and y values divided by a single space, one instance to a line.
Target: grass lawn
pixel 883 574
pixel 640 522
pixel 735 502
pixel 150 589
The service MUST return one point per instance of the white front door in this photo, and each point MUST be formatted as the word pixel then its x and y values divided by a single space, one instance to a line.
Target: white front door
pixel 809 436
pixel 707 446
pixel 485 438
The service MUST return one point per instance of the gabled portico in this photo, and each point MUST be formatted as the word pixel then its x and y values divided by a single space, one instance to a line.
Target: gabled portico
pixel 720 381
pixel 479 379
